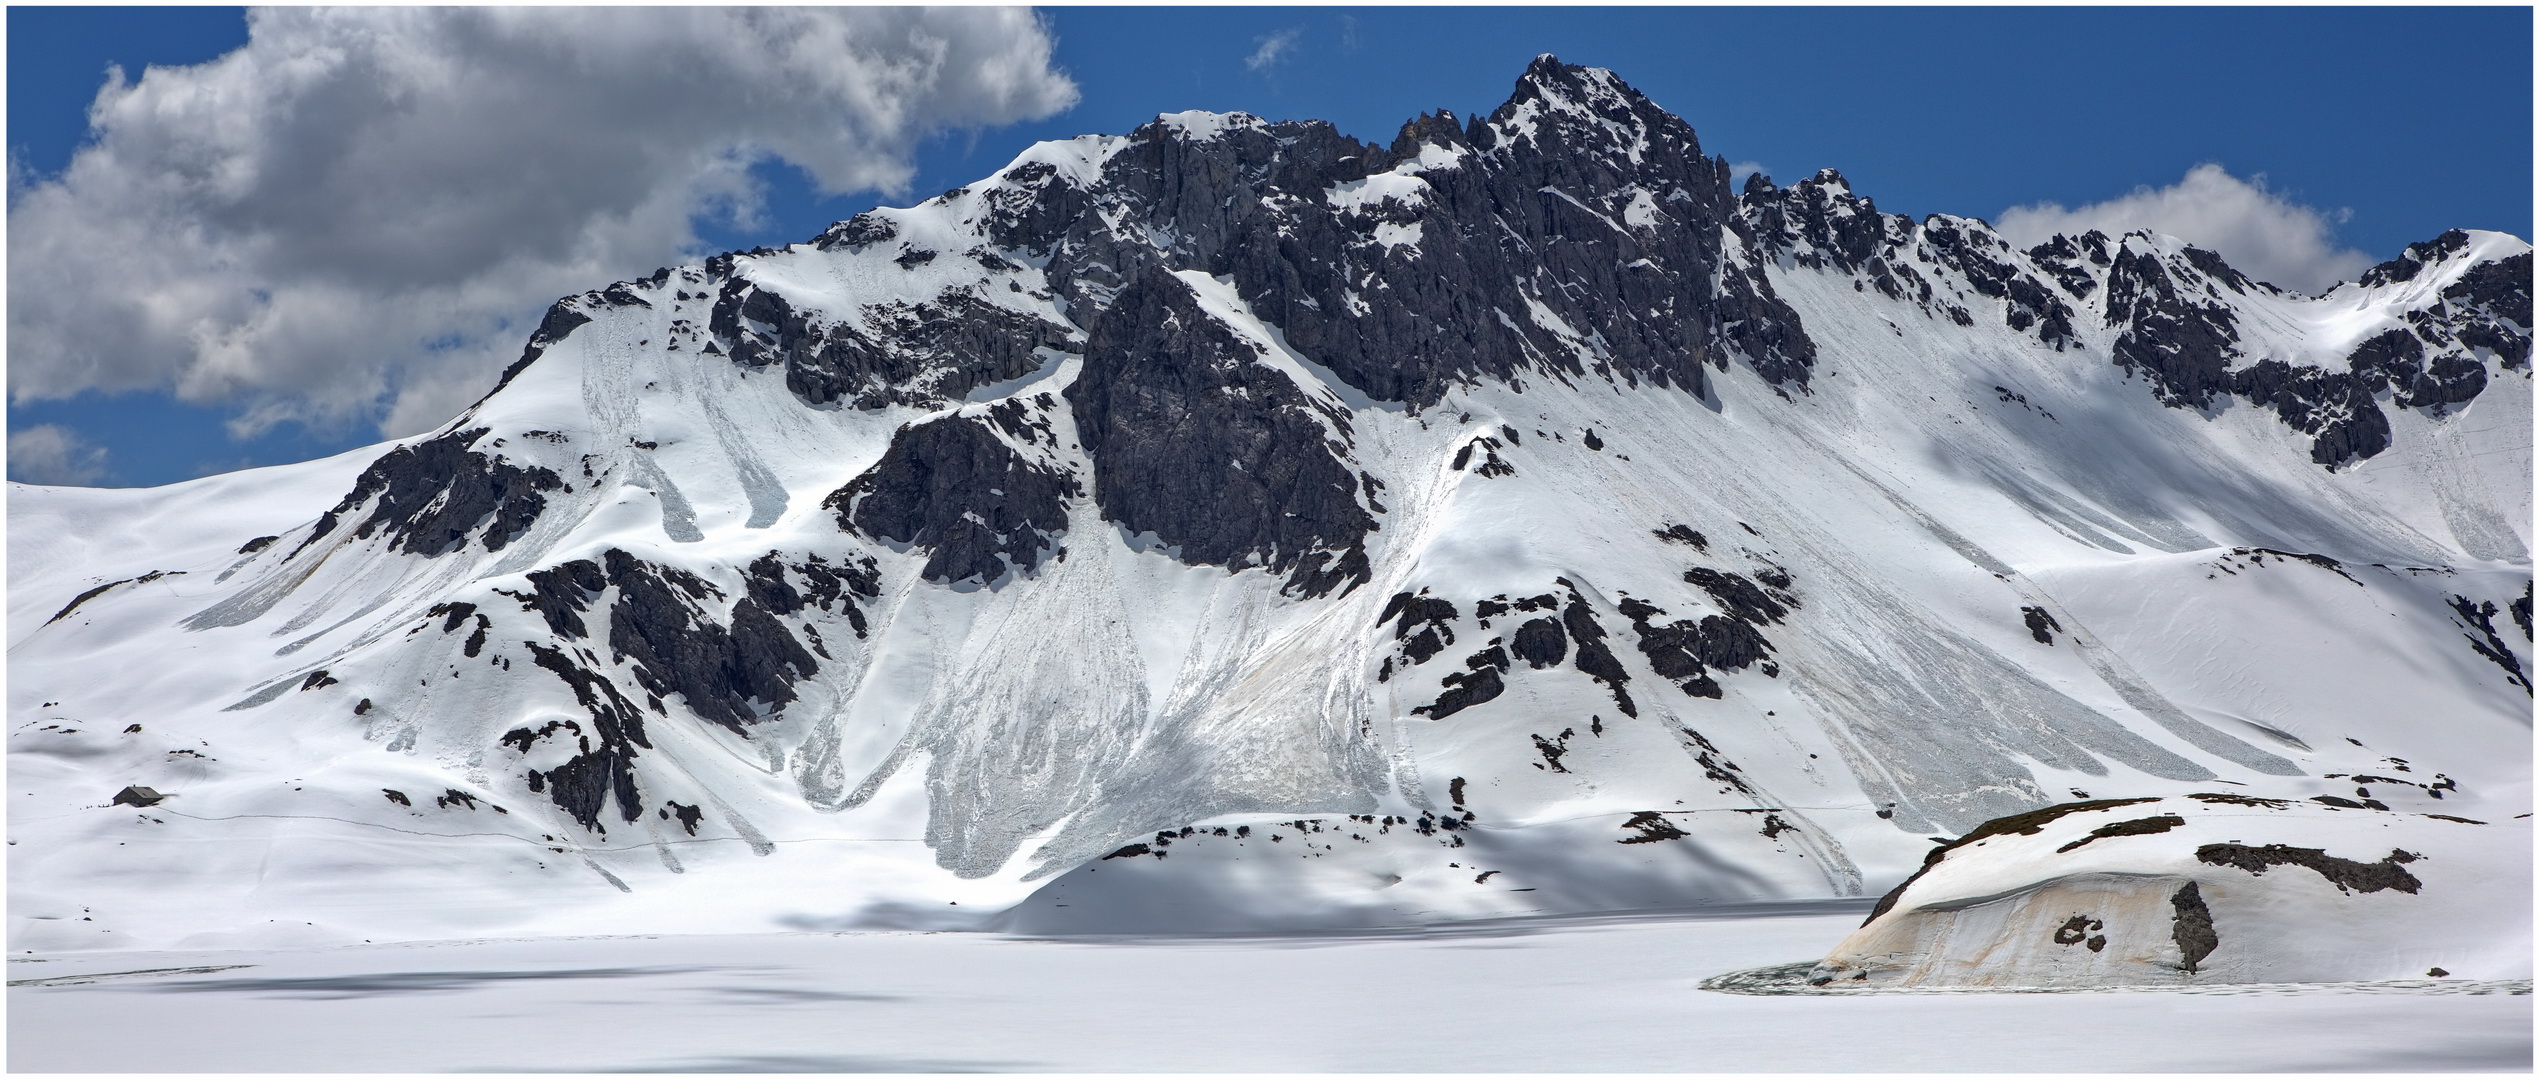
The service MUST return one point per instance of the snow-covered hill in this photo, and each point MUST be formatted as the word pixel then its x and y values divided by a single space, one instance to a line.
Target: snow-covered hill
pixel 2206 888
pixel 1232 524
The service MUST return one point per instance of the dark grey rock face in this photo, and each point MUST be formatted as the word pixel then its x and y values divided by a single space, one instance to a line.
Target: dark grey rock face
pixel 905 354
pixel 659 623
pixel 2335 406
pixel 1819 224
pixel 825 585
pixel 1980 257
pixel 560 320
pixel 429 496
pixel 87 596
pixel 1033 208
pixel 1540 643
pixel 2412 261
pixel 857 233
pixel 731 674
pixel 560 594
pixel 2174 314
pixel 951 487
pixel 1578 205
pixel 2191 926
pixel 2501 286
pixel 2348 875
pixel 831 587
pixel 663 630
pixel 1741 598
pixel 2396 360
pixel 1479 682
pixel 455 615
pixel 2179 335
pixel 2479 616
pixel 582 785
pixel 1578 199
pixel 2069 260
pixel 1424 625
pixel 2041 624
pixel 1685 651
pixel 1594 657
pixel 2178 339
pixel 2489 308
pixel 1221 457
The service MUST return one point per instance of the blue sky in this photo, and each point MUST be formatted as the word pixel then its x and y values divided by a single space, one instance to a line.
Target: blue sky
pixel 2394 124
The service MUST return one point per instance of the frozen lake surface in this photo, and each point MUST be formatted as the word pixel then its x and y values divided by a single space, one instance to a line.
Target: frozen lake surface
pixel 1533 995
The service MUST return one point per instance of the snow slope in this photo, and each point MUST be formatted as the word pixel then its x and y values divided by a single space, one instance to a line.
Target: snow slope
pixel 1231 525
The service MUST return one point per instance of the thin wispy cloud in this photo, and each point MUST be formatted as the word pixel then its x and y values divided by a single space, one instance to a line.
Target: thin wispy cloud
pixel 2260 232
pixel 1272 48
pixel 357 215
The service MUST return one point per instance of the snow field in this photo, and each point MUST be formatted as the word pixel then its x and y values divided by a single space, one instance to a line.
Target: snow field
pixel 1529 995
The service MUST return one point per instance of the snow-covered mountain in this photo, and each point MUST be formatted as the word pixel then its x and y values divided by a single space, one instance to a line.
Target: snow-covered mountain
pixel 1233 524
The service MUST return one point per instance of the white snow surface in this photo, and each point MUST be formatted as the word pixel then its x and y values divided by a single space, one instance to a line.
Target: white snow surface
pixel 1915 508
pixel 1199 125
pixel 1536 995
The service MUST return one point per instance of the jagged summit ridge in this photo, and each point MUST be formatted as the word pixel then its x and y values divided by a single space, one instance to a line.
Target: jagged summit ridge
pixel 1517 492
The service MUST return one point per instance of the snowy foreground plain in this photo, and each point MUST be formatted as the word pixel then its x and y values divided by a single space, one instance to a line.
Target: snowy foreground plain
pixel 1523 995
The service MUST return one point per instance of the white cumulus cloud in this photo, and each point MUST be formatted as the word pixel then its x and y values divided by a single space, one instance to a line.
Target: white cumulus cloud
pixel 2260 233
pixel 360 214
pixel 52 454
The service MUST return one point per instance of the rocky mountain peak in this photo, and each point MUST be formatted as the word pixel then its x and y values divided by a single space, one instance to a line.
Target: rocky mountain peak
pixel 2413 261
pixel 1571 88
pixel 1199 125
pixel 1438 129
pixel 1519 474
pixel 1589 114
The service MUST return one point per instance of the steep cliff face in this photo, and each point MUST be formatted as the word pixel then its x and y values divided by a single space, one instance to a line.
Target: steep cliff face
pixel 1235 524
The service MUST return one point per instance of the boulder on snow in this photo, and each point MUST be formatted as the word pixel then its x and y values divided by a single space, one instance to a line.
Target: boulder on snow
pixel 2201 888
